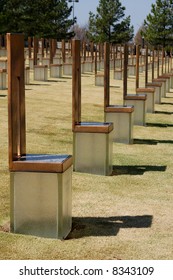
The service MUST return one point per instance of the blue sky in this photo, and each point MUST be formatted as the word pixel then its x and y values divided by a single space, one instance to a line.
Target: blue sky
pixel 137 9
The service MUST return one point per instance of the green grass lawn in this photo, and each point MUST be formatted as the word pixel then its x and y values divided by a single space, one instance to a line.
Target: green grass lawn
pixel 124 216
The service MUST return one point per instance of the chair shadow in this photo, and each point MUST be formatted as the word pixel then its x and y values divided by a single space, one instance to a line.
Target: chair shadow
pixel 3 95
pixel 114 86
pixel 106 226
pixel 151 141
pixel 37 84
pixel 159 125
pixel 166 103
pixel 56 81
pixel 136 169
pixel 164 113
pixel 66 77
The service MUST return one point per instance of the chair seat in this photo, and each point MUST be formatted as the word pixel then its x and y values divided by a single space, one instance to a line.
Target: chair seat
pixel 119 109
pixel 160 79
pixel 145 90
pixel 154 84
pixel 135 97
pixel 42 163
pixel 166 75
pixel 93 127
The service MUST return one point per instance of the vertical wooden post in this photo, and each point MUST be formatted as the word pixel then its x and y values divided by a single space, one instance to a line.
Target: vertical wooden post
pixel 125 70
pixel 162 60
pixel 63 50
pixel 88 50
pixel 114 56
pixel 168 64
pixel 158 62
pixel 137 65
pixel 16 97
pixel 102 50
pixel 106 74
pixel 47 46
pixel 42 47
pixel 121 58
pixel 99 51
pixel 116 51
pixel 146 66
pixel 30 46
pixel 70 47
pixel 92 51
pixel 111 51
pixel 51 50
pixel 54 46
pixel 76 83
pixel 84 49
pixel 35 50
pixel 153 61
pixel 96 60
pixel 5 41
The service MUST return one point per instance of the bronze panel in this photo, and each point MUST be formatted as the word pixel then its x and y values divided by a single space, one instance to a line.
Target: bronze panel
pixel 94 127
pixel 16 96
pixel 76 83
pixel 125 70
pixel 136 97
pixel 106 74
pixel 34 165
pixel 145 89
pixel 120 109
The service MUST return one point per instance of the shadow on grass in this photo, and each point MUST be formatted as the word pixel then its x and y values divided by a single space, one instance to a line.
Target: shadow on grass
pixel 68 77
pixel 166 103
pixel 136 169
pixel 151 141
pixel 106 226
pixel 159 125
pixel 114 86
pixel 163 113
pixel 39 84
pixel 56 81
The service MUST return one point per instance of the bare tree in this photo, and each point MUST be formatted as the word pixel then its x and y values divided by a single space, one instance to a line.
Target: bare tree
pixel 139 38
pixel 81 32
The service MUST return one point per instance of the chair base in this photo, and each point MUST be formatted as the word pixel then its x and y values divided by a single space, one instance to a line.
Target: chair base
pixel 41 203
pixel 92 151
pixel 139 103
pixel 123 119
